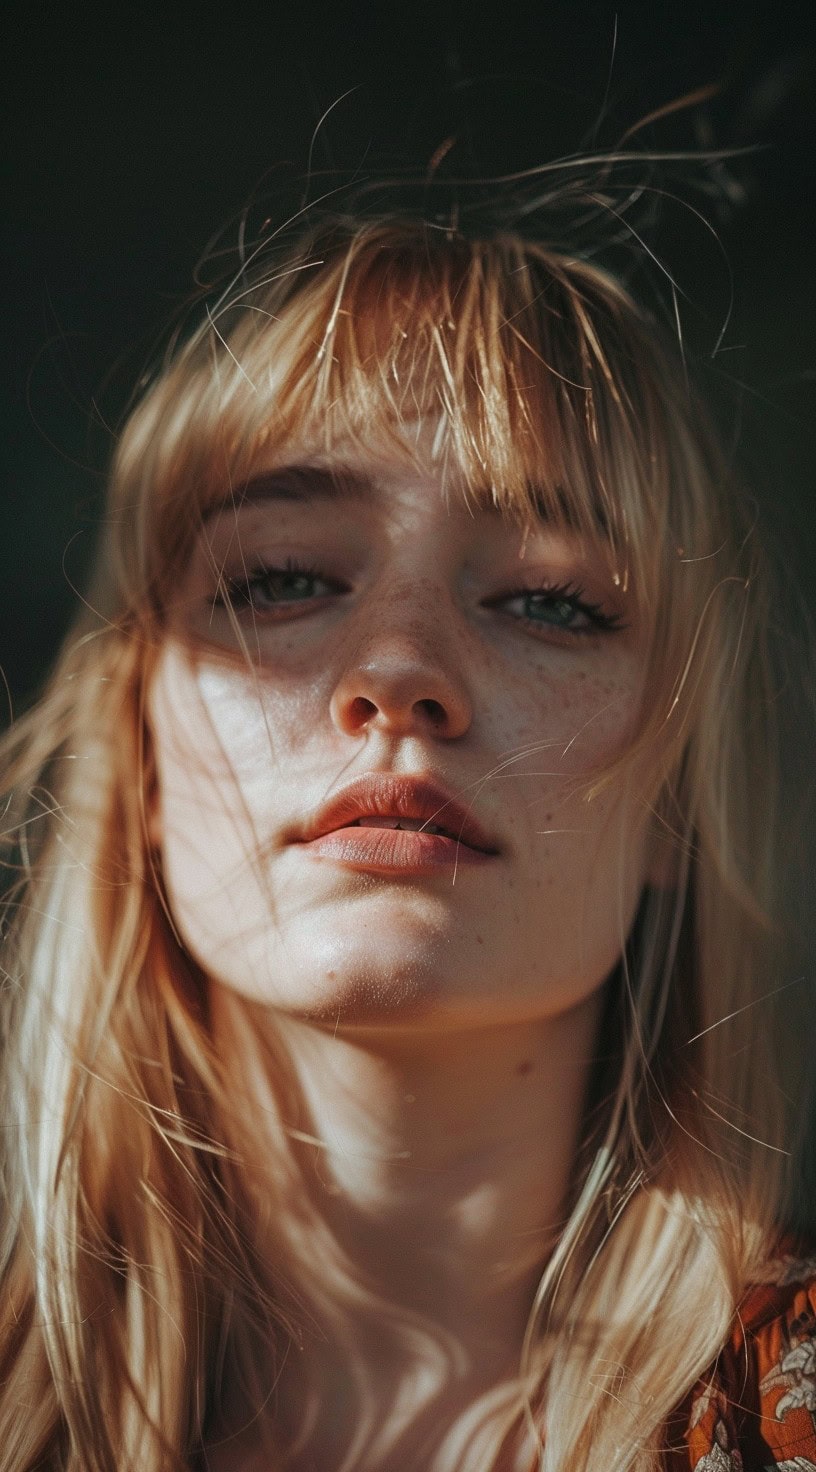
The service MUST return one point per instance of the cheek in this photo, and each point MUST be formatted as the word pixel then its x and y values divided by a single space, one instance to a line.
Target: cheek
pixel 578 719
pixel 217 767
pixel 222 726
pixel 568 730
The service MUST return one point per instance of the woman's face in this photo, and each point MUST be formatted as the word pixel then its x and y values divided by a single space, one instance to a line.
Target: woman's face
pixel 352 645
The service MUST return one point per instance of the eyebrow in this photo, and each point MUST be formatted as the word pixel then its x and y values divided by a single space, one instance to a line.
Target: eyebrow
pixel 302 483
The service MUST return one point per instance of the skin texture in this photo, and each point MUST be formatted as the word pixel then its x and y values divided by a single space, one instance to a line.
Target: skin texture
pixel 408 672
pixel 442 1025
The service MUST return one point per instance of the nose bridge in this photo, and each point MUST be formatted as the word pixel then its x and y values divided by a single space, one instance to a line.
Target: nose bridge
pixel 408 611
pixel 401 669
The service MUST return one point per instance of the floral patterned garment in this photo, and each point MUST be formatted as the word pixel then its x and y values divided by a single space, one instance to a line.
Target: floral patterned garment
pixel 756 1411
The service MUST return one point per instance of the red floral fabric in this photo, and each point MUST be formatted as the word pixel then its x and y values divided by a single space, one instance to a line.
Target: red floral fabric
pixel 756 1410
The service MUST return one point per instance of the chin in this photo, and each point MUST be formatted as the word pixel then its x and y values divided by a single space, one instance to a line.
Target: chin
pixel 347 980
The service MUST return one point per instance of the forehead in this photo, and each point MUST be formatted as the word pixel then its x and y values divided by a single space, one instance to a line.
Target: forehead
pixel 415 456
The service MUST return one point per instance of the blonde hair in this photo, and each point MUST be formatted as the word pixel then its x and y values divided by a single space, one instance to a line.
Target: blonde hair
pixel 129 1268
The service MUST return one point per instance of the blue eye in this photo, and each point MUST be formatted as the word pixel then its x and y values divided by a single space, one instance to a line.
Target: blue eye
pixel 271 587
pixel 563 613
pixel 562 607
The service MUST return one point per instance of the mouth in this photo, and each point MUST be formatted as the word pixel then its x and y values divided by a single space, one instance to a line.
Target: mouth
pixel 386 821
pixel 404 825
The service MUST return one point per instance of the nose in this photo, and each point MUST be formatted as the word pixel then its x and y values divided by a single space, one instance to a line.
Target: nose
pixel 402 676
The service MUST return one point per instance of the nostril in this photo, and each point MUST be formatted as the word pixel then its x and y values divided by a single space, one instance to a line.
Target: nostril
pixel 433 710
pixel 361 710
pixel 388 695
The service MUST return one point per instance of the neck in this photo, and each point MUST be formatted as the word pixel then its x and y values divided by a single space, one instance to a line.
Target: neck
pixel 433 1173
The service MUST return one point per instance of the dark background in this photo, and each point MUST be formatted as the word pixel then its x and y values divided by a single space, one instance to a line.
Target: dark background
pixel 133 137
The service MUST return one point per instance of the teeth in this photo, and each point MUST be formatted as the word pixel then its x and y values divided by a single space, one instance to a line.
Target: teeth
pixel 411 825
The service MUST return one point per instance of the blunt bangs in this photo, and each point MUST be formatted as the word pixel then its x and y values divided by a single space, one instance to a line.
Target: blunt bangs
pixel 548 392
pixel 535 371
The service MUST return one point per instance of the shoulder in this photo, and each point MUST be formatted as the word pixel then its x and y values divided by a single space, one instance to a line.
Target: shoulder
pixel 756 1410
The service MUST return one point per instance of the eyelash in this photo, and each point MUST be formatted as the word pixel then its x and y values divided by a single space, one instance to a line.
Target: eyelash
pixel 572 594
pixel 238 592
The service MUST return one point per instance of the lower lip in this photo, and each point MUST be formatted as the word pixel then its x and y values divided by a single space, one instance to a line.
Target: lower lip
pixel 394 851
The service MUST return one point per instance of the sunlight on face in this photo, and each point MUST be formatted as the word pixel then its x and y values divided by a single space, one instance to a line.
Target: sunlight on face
pixel 351 632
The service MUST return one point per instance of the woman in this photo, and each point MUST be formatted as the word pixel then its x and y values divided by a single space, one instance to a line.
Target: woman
pixel 403 1064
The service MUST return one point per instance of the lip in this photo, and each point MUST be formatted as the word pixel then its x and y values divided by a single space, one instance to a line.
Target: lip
pixel 337 829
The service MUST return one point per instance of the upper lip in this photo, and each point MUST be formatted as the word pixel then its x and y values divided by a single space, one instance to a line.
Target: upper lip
pixel 390 795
